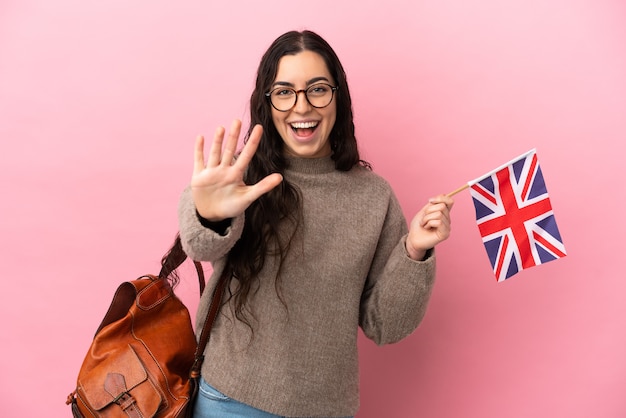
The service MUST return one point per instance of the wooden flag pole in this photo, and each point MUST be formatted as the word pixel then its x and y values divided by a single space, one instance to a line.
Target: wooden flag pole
pixel 460 189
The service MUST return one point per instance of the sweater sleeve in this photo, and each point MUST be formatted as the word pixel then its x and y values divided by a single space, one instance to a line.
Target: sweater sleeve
pixel 398 288
pixel 199 242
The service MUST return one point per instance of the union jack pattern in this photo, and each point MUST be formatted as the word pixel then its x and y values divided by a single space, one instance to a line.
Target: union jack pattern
pixel 515 217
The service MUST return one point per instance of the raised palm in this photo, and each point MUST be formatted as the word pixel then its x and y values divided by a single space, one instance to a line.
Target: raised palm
pixel 217 186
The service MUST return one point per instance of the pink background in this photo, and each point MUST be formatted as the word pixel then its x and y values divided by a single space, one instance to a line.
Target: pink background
pixel 99 106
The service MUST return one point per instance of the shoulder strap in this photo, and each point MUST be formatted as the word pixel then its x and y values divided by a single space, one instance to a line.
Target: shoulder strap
pixel 214 308
pixel 200 271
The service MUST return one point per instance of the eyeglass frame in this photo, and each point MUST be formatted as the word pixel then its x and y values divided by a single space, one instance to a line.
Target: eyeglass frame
pixel 333 89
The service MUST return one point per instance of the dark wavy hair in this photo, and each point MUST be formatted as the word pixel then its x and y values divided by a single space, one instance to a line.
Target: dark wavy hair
pixel 280 209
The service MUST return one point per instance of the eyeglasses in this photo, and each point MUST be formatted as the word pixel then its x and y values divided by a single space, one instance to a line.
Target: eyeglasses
pixel 284 99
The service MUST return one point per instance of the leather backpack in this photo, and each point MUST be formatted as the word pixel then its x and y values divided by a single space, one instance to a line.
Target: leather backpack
pixel 144 360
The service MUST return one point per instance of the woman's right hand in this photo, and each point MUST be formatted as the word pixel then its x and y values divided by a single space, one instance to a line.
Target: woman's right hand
pixel 217 187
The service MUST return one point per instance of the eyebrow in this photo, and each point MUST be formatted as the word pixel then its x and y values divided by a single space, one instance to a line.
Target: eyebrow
pixel 308 83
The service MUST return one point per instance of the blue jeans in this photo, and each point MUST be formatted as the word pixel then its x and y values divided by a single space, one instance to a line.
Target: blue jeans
pixel 211 403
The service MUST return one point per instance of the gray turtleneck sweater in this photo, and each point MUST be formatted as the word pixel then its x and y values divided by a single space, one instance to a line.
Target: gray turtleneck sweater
pixel 347 267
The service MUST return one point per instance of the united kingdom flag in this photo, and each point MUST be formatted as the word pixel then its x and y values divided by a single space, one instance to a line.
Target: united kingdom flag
pixel 515 217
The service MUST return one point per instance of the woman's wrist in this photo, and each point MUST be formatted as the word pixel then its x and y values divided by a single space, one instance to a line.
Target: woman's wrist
pixel 416 254
pixel 218 226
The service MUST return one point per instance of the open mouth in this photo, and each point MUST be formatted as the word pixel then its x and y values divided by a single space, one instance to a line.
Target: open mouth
pixel 304 128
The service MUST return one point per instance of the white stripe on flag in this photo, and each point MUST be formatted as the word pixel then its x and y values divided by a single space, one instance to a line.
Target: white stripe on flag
pixel 492 172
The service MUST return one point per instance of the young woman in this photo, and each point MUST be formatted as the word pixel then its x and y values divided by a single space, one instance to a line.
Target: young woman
pixel 314 243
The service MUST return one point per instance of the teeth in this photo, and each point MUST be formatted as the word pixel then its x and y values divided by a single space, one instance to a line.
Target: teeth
pixel 303 125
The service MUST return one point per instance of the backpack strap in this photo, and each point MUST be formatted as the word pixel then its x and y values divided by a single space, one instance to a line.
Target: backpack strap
pixel 200 271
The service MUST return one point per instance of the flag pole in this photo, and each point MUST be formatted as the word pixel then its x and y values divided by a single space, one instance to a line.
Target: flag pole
pixel 460 189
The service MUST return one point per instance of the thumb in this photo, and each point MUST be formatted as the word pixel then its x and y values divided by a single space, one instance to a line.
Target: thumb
pixel 265 185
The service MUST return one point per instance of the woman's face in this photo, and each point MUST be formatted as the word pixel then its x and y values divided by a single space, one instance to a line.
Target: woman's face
pixel 304 129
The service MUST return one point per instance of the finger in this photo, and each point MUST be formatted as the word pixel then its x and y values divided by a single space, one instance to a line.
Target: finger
pixel 265 185
pixel 435 207
pixel 434 211
pixel 439 217
pixel 432 224
pixel 231 143
pixel 215 155
pixel 431 219
pixel 442 198
pixel 198 155
pixel 251 146
pixel 439 222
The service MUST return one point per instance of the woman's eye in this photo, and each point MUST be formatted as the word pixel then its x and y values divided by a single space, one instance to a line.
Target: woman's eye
pixel 283 92
pixel 319 89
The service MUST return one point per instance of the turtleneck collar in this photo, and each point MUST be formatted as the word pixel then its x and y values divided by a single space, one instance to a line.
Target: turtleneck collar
pixel 320 165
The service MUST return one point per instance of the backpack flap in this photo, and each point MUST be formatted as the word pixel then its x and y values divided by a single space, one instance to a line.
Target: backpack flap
pixel 121 383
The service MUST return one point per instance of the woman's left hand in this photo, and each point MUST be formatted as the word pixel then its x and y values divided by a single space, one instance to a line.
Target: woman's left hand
pixel 429 227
